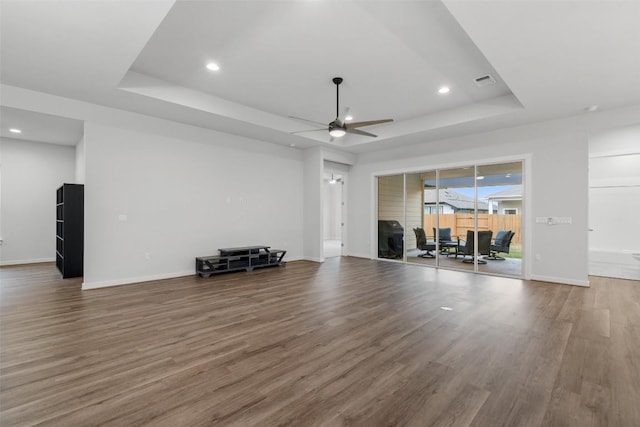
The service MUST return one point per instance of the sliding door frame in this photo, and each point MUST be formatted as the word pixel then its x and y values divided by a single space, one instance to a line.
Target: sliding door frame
pixel 526 162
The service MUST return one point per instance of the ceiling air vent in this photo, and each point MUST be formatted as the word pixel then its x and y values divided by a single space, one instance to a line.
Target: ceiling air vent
pixel 487 80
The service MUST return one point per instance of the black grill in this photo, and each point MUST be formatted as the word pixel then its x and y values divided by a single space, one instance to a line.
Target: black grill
pixel 390 239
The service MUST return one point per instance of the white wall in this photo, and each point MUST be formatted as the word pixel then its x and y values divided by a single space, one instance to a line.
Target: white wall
pixel 313 203
pixel 31 173
pixel 557 162
pixel 183 198
pixel 510 204
pixel 559 187
pixel 80 162
pixel 186 191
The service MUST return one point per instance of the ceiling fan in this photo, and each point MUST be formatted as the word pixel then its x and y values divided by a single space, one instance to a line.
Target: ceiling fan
pixel 334 180
pixel 338 127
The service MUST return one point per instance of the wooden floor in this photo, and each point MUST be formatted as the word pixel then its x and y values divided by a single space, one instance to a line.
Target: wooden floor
pixel 347 342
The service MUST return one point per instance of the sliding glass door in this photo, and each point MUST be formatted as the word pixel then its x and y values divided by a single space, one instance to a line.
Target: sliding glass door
pixel 391 217
pixel 465 218
pixel 421 197
pixel 456 197
pixel 500 189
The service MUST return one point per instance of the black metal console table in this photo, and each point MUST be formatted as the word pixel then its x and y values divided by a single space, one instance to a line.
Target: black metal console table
pixel 242 258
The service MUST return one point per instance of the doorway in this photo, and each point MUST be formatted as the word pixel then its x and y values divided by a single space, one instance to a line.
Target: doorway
pixel 333 213
pixel 614 202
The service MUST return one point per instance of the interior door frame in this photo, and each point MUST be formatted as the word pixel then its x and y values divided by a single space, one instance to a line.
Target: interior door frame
pixel 343 171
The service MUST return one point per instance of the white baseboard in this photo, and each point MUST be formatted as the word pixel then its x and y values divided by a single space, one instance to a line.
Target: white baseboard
pixel 141 279
pixel 131 280
pixel 26 261
pixel 561 280
pixel 307 258
pixel 365 256
pixel 616 257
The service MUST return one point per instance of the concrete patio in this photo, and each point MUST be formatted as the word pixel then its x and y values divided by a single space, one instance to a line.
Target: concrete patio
pixel 508 267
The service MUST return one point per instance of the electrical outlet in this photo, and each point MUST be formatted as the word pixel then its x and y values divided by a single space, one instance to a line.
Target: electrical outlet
pixel 147 255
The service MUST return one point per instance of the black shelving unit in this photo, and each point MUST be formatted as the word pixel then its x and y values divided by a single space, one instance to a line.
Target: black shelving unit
pixel 70 230
pixel 242 258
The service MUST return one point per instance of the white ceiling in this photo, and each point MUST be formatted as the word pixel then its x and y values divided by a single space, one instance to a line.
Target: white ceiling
pixel 550 59
pixel 40 127
pixel 283 56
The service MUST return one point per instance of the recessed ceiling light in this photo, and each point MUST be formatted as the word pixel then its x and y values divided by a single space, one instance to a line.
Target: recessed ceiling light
pixel 348 118
pixel 212 66
pixel 591 108
pixel 446 308
pixel 443 90
pixel 14 130
pixel 292 145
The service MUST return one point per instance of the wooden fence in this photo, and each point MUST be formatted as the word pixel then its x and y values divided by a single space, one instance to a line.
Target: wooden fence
pixel 460 223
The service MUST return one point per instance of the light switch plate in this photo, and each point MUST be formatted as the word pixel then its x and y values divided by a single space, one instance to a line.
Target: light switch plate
pixel 553 220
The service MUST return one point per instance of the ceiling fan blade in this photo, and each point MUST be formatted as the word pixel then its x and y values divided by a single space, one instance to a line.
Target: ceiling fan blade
pixel 368 123
pixel 360 132
pixel 311 130
pixel 309 121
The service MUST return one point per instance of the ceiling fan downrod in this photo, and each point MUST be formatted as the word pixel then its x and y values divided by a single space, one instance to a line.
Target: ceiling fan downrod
pixel 337 81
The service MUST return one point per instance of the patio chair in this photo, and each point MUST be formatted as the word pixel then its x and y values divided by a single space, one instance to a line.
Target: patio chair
pixel 484 246
pixel 446 241
pixel 423 244
pixel 500 244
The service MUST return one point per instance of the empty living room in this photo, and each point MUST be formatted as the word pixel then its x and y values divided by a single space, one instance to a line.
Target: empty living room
pixel 310 212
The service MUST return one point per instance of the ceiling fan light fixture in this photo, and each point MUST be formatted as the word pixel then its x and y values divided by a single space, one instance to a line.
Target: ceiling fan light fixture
pixel 212 66
pixel 337 132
